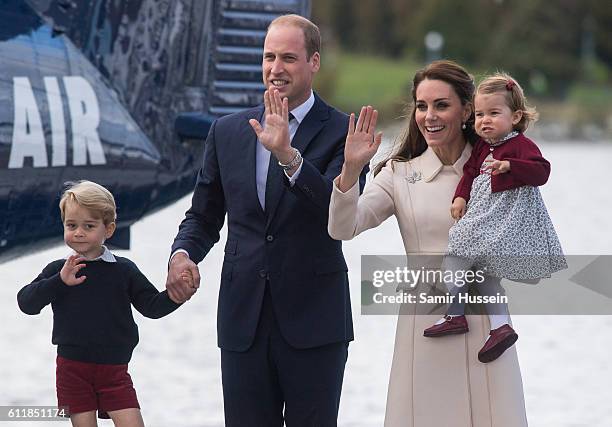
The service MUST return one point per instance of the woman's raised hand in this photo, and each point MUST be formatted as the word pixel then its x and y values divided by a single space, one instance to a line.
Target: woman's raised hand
pixel 361 146
pixel 361 142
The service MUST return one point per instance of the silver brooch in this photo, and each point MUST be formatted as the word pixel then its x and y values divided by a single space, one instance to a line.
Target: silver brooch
pixel 416 176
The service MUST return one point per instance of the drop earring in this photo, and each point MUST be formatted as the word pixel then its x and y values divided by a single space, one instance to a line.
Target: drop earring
pixel 463 126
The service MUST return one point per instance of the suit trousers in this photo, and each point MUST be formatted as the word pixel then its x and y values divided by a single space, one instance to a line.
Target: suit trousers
pixel 272 381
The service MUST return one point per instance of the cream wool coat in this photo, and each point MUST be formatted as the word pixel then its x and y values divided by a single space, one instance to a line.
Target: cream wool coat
pixel 434 382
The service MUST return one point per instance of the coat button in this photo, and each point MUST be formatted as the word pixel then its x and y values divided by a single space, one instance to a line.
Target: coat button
pixel 269 237
pixel 263 274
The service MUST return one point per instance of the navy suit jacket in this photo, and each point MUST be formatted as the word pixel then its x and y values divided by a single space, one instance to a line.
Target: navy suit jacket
pixel 287 244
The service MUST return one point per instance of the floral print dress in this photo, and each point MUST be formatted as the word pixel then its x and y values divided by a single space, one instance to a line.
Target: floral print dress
pixel 507 234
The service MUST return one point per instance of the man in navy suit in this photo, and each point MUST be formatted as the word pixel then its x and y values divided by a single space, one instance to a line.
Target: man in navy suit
pixel 284 315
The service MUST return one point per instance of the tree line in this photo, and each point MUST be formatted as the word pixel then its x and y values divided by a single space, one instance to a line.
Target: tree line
pixel 547 43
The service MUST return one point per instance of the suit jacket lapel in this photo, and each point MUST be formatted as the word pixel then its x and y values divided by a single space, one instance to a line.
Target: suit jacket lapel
pixel 311 125
pixel 306 132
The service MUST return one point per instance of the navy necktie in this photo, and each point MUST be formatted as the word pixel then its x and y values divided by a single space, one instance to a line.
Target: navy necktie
pixel 274 171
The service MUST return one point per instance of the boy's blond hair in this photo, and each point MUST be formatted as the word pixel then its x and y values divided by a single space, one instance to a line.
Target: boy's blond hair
pixel 91 196
pixel 501 82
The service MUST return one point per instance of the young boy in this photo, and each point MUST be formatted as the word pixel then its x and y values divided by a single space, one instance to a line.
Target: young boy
pixel 90 293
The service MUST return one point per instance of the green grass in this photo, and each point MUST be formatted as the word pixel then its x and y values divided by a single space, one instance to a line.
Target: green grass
pixel 350 81
pixel 594 97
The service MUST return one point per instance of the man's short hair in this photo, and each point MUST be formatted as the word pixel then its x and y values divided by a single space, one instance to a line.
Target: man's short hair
pixel 95 198
pixel 312 35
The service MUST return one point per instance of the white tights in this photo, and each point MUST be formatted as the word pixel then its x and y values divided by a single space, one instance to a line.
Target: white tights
pixel 491 286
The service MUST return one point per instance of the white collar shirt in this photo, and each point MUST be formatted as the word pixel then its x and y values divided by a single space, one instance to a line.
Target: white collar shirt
pixel 106 256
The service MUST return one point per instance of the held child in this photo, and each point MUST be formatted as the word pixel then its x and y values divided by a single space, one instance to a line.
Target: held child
pixel 90 293
pixel 506 231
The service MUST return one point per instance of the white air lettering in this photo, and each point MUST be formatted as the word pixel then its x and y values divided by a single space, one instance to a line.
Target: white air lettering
pixel 58 125
pixel 85 118
pixel 28 136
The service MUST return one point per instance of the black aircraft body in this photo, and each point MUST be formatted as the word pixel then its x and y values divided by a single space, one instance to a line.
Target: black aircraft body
pixel 120 92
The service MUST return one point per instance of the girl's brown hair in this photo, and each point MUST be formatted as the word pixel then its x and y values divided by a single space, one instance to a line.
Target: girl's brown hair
pixel 515 97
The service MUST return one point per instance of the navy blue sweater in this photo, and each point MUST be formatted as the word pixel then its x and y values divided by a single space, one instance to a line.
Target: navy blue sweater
pixel 92 321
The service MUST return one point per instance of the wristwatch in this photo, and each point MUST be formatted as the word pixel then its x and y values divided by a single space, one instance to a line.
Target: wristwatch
pixel 297 159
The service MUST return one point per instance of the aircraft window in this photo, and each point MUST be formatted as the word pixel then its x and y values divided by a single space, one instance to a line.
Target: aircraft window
pixel 19 19
pixel 37 47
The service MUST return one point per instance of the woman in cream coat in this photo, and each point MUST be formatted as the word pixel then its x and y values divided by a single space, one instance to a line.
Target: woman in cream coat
pixel 434 382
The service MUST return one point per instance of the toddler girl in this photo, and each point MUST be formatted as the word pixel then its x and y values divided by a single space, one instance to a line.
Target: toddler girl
pixel 506 231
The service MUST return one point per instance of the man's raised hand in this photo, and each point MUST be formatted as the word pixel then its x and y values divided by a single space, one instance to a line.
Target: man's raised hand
pixel 274 135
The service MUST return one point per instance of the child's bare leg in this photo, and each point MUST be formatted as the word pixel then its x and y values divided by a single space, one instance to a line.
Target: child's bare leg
pixel 84 419
pixel 129 417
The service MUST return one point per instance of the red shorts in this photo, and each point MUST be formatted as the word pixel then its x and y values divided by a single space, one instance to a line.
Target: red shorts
pixel 84 387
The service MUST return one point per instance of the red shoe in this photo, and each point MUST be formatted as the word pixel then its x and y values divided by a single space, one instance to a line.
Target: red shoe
pixel 500 340
pixel 451 325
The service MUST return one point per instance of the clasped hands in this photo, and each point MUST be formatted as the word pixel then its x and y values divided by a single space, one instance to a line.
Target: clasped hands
pixel 183 278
